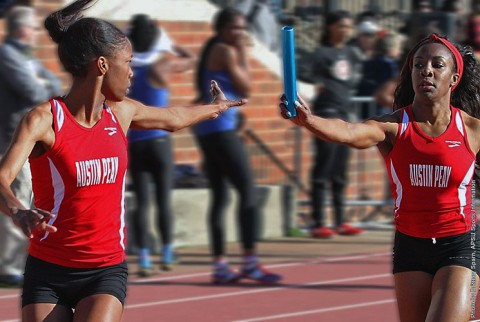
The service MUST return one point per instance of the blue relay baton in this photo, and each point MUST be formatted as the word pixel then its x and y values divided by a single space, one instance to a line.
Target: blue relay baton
pixel 289 69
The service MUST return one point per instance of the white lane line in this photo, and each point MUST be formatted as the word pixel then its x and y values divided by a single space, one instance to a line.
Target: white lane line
pixel 261 290
pixel 327 309
pixel 9 296
pixel 199 298
pixel 340 259
pixel 308 262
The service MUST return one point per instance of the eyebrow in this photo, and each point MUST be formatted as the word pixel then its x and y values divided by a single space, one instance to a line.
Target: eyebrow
pixel 434 57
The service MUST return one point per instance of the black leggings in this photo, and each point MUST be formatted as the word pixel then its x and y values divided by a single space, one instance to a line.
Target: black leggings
pixel 152 159
pixel 330 166
pixel 226 160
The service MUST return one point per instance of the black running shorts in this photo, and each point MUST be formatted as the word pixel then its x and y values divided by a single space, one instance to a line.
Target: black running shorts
pixel 49 283
pixel 430 254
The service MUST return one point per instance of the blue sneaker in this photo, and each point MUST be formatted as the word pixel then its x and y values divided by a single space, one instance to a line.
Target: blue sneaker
pixel 11 281
pixel 145 268
pixel 260 274
pixel 224 276
pixel 168 258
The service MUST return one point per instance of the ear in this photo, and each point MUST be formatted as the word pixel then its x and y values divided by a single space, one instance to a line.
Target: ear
pixel 454 80
pixel 102 65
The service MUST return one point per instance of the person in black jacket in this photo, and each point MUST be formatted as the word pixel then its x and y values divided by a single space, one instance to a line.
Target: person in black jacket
pixel 335 68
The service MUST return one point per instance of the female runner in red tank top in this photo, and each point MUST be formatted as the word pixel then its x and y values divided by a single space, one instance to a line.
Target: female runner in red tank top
pixel 76 145
pixel 430 143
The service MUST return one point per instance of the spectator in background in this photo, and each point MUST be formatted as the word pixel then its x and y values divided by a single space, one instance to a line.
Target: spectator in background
pixel 367 35
pixel 381 68
pixel 262 22
pixel 456 8
pixel 475 7
pixel 423 6
pixel 419 7
pixel 225 58
pixel 334 66
pixel 472 35
pixel 367 15
pixel 24 82
pixel 155 59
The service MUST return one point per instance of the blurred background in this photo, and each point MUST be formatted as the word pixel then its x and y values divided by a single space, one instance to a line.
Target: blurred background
pixel 280 153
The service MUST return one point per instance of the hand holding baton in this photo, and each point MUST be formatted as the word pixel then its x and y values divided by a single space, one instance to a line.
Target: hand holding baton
pixel 289 70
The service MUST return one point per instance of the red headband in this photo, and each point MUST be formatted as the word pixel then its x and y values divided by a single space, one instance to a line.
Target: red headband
pixel 453 50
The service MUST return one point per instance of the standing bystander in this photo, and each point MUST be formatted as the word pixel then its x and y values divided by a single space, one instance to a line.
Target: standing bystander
pixel 334 66
pixel 155 59
pixel 225 59
pixel 24 82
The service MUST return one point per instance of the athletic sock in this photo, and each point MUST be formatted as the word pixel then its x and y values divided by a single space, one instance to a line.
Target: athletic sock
pixel 220 266
pixel 250 261
pixel 167 253
pixel 144 258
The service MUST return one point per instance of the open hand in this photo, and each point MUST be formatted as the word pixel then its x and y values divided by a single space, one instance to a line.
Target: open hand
pixel 30 219
pixel 220 98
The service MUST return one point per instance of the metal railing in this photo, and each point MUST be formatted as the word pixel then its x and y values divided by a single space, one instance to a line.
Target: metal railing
pixel 367 198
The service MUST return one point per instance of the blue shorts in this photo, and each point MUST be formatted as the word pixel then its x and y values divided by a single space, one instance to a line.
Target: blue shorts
pixel 429 255
pixel 49 283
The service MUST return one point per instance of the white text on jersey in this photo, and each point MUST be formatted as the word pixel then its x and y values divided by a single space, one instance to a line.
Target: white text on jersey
pixel 96 171
pixel 429 175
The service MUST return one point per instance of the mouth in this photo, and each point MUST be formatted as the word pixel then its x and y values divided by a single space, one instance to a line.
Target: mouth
pixel 426 85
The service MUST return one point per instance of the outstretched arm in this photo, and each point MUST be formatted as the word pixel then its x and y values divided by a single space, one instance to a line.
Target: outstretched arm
pixel 136 115
pixel 357 135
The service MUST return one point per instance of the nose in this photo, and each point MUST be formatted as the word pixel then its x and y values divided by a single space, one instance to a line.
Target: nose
pixel 427 70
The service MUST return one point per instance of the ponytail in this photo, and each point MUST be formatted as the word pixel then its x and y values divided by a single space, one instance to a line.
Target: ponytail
pixel 81 40
pixel 201 70
pixel 57 23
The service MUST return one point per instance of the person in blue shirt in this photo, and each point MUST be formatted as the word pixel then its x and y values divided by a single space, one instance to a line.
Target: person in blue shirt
pixel 155 59
pixel 224 59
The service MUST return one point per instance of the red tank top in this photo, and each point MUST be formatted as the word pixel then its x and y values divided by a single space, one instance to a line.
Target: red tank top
pixel 431 179
pixel 82 180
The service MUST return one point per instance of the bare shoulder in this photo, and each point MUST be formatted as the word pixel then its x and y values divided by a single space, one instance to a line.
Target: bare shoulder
pixel 222 53
pixel 40 117
pixel 125 111
pixel 124 108
pixel 37 126
pixel 222 48
pixel 471 122
pixel 472 125
pixel 388 122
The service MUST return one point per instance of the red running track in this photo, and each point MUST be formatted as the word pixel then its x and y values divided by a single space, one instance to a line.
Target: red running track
pixel 348 288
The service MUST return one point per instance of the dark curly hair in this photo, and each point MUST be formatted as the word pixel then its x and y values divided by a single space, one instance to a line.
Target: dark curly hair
pixel 466 95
